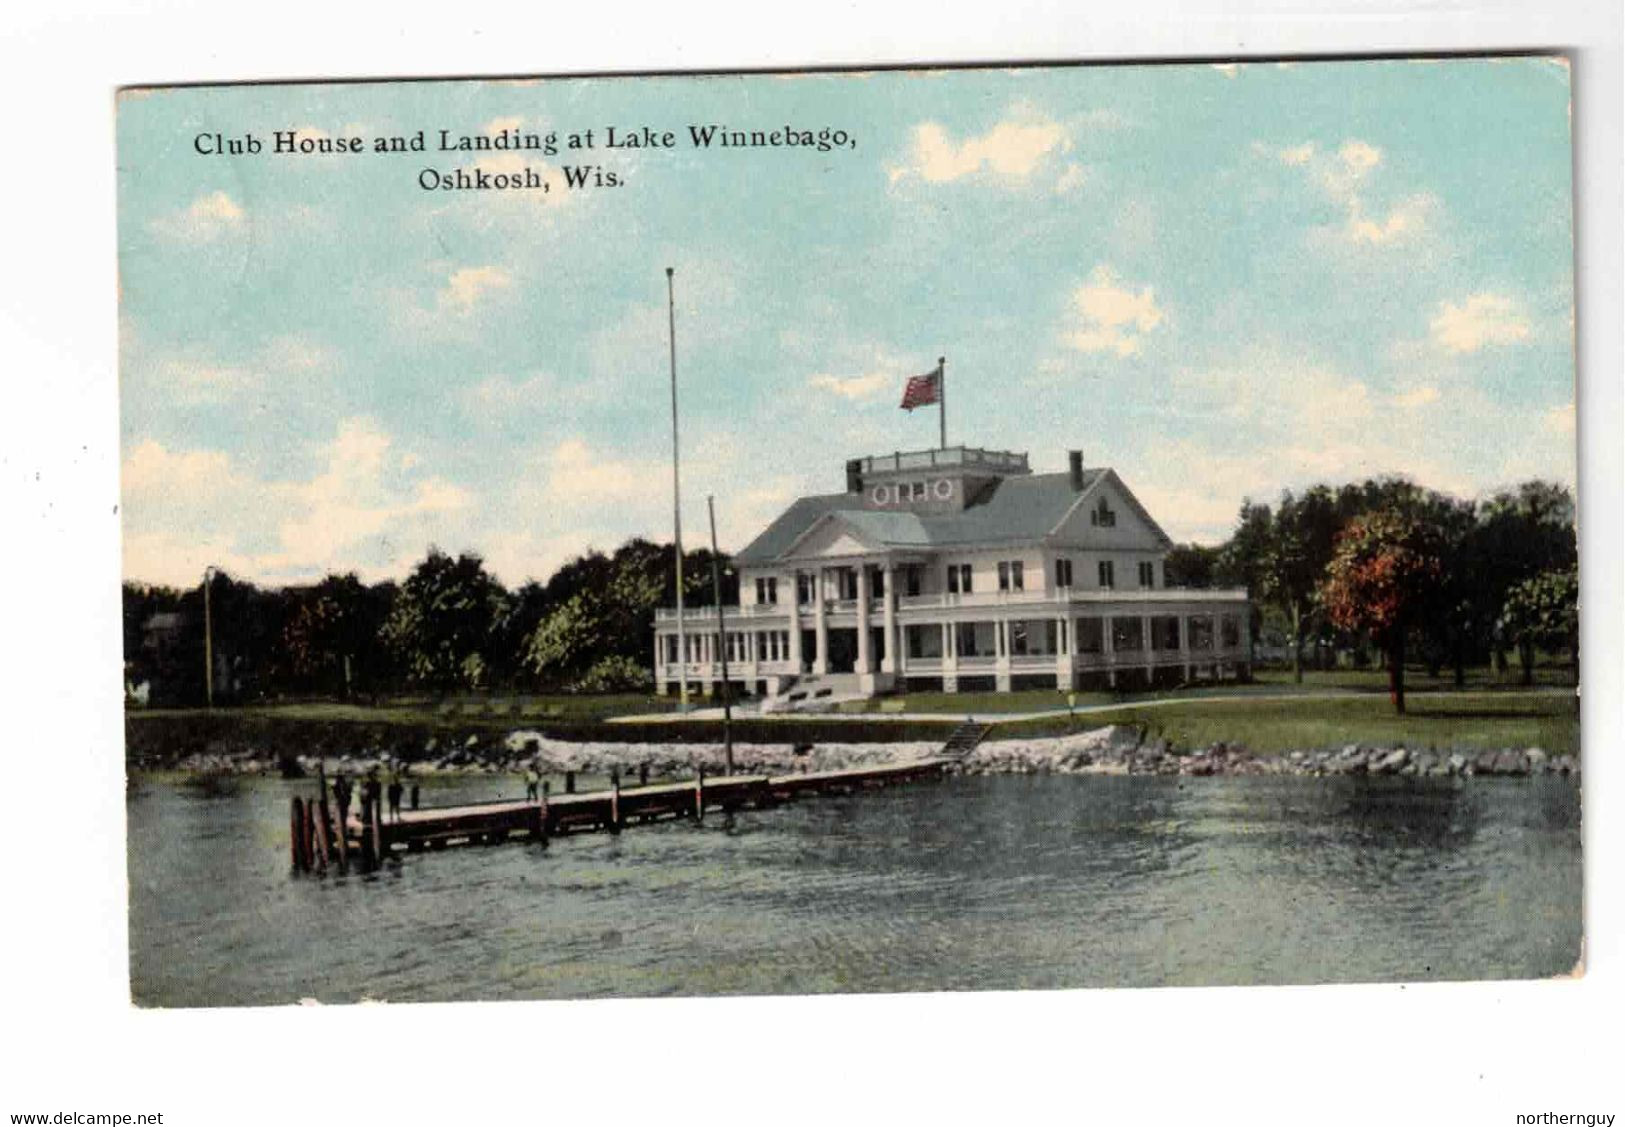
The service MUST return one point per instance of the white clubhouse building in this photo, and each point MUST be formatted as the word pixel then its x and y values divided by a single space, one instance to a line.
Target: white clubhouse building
pixel 958 569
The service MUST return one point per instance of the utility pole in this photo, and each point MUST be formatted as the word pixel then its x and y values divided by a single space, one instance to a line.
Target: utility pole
pixel 676 496
pixel 208 639
pixel 722 640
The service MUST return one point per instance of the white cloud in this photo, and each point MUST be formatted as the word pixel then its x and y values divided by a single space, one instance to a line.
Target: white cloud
pixel 187 509
pixel 1417 397
pixel 1483 319
pixel 1343 176
pixel 1010 151
pixel 1112 317
pixel 1561 420
pixel 465 287
pixel 1406 218
pixel 866 386
pixel 195 375
pixel 1071 179
pixel 1297 154
pixel 1358 157
pixel 203 220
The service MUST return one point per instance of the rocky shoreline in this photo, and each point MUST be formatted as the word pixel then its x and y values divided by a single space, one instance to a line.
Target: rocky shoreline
pixel 1116 750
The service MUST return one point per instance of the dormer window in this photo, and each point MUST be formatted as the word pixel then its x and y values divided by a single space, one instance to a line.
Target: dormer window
pixel 1103 516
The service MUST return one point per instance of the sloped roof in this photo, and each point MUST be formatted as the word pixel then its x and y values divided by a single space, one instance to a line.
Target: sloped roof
pixel 1016 508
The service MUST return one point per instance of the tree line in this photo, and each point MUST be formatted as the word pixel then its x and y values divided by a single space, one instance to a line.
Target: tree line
pixel 449 626
pixel 1413 573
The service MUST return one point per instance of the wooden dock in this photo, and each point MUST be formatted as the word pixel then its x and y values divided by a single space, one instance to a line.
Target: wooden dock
pixel 369 836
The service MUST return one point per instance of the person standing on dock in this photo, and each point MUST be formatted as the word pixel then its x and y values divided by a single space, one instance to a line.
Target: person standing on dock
pixel 341 797
pixel 371 794
pixel 396 787
pixel 533 783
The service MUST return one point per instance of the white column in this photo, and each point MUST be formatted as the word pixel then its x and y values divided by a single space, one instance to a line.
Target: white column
pixel 795 623
pixel 1108 653
pixel 889 660
pixel 1145 642
pixel 865 662
pixel 821 621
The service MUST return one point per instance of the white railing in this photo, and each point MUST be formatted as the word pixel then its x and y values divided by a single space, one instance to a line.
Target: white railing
pixel 1054 597
pixel 730 613
pixel 952 456
pixel 1073 596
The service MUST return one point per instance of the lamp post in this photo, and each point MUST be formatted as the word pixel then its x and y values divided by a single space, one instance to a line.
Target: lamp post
pixel 208 636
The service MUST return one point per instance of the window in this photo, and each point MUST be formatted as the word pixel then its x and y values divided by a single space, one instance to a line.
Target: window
pixel 1107 579
pixel 767 590
pixel 911 580
pixel 1063 573
pixel 847 581
pixel 1165 632
pixel 877 582
pixel 965 640
pixel 959 579
pixel 1148 574
pixel 1101 516
pixel 1010 575
pixel 1200 628
pixel 1018 638
pixel 1126 635
pixel 804 590
pixel 1230 631
pixel 1089 636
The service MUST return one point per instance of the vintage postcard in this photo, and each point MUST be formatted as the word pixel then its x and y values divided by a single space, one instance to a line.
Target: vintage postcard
pixel 955 529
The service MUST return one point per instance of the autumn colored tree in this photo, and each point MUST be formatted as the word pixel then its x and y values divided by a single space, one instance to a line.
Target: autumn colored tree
pixel 1384 573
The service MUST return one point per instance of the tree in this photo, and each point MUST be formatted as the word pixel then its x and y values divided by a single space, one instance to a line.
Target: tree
pixel 441 625
pixel 1190 565
pixel 1521 533
pixel 1293 556
pixel 1543 612
pixel 333 634
pixel 1386 567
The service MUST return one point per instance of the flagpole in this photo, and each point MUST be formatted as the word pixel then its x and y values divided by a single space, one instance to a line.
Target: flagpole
pixel 676 497
pixel 942 398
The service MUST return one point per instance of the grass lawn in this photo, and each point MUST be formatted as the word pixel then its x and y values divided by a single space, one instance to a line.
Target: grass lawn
pixel 1459 720
pixel 1268 682
pixel 505 710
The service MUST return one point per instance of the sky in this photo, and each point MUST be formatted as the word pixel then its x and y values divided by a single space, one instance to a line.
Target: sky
pixel 1222 281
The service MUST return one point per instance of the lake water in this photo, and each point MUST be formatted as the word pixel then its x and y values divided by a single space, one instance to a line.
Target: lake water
pixel 975 883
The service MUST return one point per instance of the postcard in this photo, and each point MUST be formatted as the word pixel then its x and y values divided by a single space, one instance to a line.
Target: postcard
pixel 850 531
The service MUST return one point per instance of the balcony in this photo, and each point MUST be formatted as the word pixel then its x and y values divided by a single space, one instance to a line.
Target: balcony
pixel 1002 461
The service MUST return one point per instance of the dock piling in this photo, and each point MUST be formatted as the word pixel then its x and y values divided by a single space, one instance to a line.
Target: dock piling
pixel 322 829
pixel 296 824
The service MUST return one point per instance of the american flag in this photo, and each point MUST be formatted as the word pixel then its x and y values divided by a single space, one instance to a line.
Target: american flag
pixel 923 390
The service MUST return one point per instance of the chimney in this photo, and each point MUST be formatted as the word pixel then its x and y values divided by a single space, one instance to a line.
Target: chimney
pixel 854 475
pixel 1075 464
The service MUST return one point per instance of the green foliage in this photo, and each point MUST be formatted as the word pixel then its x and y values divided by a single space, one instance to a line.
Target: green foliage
pixel 443 620
pixel 1544 611
pixel 616 674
